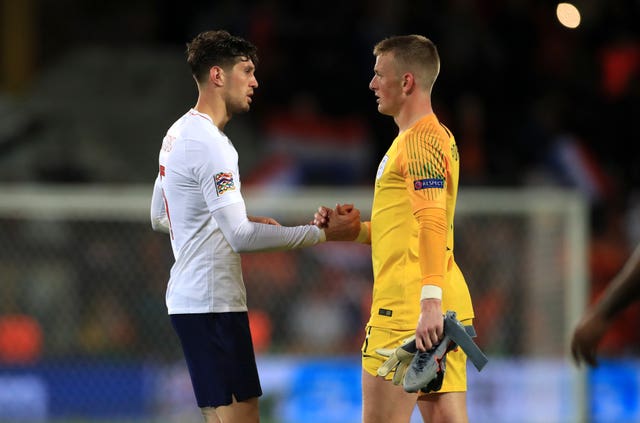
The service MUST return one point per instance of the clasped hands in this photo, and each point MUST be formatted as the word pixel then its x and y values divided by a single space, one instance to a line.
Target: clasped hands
pixel 339 224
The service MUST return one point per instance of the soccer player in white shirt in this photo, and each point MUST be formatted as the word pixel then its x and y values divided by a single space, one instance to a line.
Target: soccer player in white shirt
pixel 198 202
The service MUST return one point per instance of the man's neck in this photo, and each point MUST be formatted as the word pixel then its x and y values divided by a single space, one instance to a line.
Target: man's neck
pixel 412 111
pixel 407 123
pixel 215 108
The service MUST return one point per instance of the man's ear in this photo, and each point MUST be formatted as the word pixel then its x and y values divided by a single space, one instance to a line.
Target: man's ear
pixel 216 76
pixel 408 83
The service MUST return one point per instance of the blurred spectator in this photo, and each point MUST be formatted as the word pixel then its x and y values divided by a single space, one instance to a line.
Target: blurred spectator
pixel 107 327
pixel 21 339
pixel 332 307
pixel 261 330
pixel 319 318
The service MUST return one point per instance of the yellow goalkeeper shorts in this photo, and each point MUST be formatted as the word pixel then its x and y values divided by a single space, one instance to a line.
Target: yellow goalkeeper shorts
pixel 455 375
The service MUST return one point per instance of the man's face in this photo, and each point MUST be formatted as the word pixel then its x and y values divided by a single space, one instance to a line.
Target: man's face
pixel 241 82
pixel 387 85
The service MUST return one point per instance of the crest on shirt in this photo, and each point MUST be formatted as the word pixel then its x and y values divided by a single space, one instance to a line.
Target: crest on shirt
pixel 428 183
pixel 224 182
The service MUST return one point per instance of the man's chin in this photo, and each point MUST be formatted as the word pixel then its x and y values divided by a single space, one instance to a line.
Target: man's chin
pixel 383 111
pixel 241 109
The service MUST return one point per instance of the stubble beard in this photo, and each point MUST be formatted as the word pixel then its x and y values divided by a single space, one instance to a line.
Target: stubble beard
pixel 239 107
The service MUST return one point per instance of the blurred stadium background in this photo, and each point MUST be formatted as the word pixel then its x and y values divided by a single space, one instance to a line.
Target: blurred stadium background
pixel 545 117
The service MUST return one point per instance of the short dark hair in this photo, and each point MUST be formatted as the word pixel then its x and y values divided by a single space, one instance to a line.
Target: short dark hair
pixel 415 53
pixel 217 48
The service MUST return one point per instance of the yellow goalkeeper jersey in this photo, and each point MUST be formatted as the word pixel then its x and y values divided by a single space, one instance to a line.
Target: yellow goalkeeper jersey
pixel 419 172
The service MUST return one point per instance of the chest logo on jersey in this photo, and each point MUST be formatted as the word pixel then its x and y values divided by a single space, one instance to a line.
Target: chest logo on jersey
pixel 224 182
pixel 381 166
pixel 428 183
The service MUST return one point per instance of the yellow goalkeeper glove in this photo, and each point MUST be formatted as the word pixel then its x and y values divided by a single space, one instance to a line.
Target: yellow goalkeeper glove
pixel 399 359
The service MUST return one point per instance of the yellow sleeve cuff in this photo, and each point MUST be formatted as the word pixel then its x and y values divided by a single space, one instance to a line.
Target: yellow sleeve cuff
pixel 364 237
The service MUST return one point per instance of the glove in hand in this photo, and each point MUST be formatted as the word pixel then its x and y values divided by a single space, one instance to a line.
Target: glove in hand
pixel 398 359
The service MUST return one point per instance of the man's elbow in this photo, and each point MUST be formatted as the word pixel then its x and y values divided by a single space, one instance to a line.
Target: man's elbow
pixel 241 238
pixel 238 247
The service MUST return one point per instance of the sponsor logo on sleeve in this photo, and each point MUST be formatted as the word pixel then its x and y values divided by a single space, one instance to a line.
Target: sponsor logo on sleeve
pixel 381 167
pixel 224 182
pixel 428 183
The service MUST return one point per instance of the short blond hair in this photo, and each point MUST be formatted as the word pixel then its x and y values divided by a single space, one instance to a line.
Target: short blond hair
pixel 413 53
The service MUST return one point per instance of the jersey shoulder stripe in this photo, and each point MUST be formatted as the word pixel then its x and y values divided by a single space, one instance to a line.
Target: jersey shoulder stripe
pixel 425 153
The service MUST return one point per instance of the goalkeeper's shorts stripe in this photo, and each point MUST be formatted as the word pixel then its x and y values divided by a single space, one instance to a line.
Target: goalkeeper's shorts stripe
pixel 219 355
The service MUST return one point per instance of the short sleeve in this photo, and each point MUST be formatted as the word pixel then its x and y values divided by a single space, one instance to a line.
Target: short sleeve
pixel 215 168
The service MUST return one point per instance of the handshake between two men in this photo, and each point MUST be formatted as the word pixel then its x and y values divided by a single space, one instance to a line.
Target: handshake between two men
pixel 339 224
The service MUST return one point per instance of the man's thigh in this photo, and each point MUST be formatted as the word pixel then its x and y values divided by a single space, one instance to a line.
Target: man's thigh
pixel 444 407
pixel 384 402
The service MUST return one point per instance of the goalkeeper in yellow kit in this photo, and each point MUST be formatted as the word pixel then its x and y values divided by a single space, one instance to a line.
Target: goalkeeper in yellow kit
pixel 416 278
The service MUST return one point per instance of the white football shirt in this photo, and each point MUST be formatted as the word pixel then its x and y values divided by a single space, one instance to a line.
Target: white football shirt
pixel 199 174
pixel 199 178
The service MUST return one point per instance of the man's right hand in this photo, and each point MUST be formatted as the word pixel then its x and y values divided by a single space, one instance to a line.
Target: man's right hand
pixel 430 328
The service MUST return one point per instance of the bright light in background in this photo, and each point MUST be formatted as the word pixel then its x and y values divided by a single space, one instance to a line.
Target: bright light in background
pixel 568 15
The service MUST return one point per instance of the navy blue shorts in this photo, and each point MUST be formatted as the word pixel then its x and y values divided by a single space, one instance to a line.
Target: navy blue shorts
pixel 220 357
